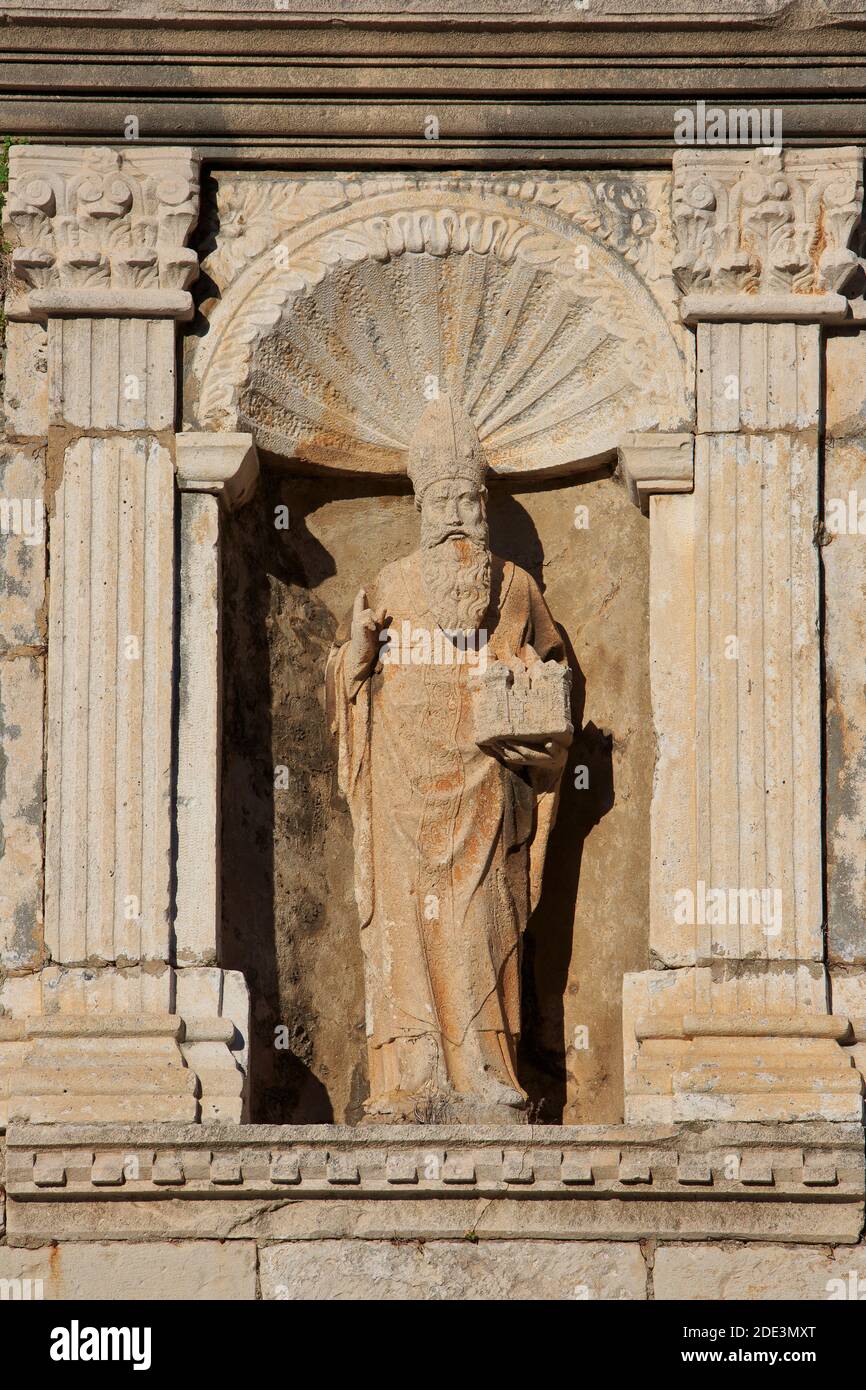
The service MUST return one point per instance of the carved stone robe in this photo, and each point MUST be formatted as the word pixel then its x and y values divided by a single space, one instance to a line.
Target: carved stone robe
pixel 449 843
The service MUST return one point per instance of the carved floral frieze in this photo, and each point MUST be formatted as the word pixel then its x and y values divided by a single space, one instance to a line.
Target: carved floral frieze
pixel 248 215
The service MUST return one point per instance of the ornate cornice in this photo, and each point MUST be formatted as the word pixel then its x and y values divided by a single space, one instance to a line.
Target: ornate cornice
pixel 741 1181
pixel 766 233
pixel 101 231
pixel 405 1161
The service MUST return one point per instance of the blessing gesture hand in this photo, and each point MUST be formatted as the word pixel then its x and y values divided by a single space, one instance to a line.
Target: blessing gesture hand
pixel 364 637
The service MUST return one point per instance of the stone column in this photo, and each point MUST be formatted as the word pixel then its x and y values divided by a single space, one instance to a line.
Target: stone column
pixel 735 1024
pixel 843 550
pixel 216 473
pixel 100 257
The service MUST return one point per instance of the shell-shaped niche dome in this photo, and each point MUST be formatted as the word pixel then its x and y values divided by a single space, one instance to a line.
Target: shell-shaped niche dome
pixel 553 361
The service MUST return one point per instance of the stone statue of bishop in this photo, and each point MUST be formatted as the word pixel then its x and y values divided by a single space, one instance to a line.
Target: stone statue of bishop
pixel 450 833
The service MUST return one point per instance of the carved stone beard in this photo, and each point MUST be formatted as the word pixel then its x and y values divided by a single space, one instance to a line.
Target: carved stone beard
pixel 456 578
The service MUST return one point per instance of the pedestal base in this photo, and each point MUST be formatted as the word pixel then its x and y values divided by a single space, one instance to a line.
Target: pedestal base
pixel 441 1107
pixel 778 1068
pixel 114 1069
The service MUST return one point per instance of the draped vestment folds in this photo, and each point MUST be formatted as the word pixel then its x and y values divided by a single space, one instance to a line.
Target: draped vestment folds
pixel 449 843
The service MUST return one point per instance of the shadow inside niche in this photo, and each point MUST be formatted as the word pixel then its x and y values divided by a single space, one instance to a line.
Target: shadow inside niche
pixel 289 917
pixel 265 590
pixel 286 857
pixel 547 942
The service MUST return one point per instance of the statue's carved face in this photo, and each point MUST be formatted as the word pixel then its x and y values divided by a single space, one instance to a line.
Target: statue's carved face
pixel 453 510
pixel 455 559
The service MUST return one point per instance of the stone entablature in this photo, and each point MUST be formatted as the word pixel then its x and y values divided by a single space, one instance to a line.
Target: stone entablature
pixel 756 1181
pixel 383 1160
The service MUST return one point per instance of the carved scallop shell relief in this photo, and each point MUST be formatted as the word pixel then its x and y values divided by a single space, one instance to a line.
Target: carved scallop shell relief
pixel 346 305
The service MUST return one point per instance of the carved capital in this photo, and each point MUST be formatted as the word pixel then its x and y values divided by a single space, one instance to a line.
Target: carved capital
pixel 101 231
pixel 766 233
pixel 652 463
pixel 225 464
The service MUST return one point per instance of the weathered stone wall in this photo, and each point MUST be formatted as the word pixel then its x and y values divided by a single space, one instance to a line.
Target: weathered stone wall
pixel 843 553
pixel 516 1269
pixel 468 1269
pixel 289 914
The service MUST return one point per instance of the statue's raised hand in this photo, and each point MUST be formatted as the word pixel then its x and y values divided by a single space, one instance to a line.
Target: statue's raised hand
pixel 364 637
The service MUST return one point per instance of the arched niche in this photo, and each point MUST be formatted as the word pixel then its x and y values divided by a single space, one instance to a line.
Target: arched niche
pixel 324 343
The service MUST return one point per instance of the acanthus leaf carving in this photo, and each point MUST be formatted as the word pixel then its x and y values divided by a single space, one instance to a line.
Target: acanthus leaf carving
pixel 615 209
pixel 101 218
pixel 251 214
pixel 766 221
